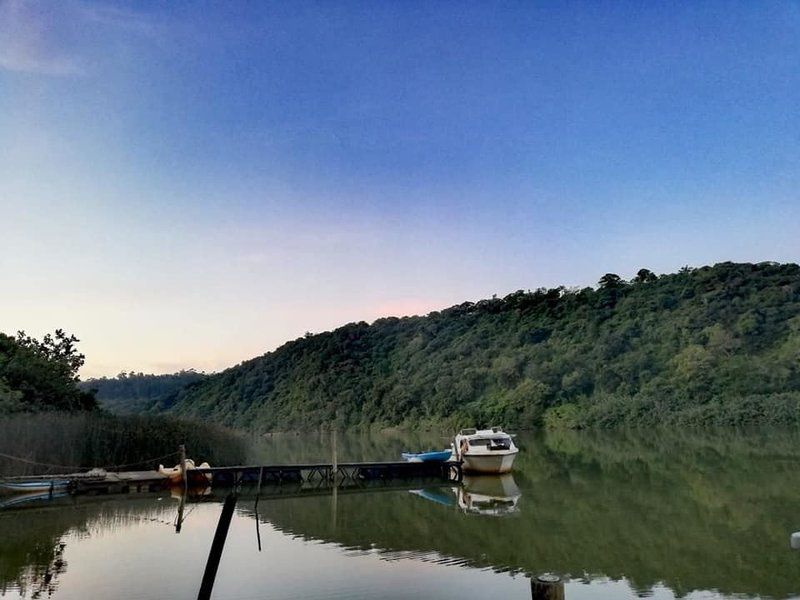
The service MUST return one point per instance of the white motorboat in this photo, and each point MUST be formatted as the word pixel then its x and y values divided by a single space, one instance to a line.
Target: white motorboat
pixel 485 450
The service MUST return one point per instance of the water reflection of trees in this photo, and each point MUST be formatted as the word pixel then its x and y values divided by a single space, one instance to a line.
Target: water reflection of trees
pixel 41 580
pixel 33 540
pixel 356 446
pixel 690 510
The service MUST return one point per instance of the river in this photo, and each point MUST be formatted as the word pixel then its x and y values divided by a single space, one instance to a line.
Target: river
pixel 615 514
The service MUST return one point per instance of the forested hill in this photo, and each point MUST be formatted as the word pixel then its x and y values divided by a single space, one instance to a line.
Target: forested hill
pixel 713 345
pixel 134 392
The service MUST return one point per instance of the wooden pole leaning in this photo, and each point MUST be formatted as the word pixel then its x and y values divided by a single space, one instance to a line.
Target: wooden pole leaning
pixel 182 465
pixel 217 545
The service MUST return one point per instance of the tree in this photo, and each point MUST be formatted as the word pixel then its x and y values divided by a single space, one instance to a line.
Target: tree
pixel 42 375
pixel 611 281
pixel 60 349
pixel 704 345
pixel 645 276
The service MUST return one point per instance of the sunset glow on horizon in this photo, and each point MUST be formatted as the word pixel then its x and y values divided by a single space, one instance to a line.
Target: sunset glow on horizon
pixel 186 187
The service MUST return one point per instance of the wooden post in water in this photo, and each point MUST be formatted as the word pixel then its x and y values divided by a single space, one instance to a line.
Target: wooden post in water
pixel 179 518
pixel 255 507
pixel 182 464
pixel 260 479
pixel 334 458
pixel 334 507
pixel 215 554
pixel 547 587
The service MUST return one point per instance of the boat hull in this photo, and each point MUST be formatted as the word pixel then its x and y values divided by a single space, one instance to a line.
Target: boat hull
pixel 489 463
pixel 25 487
pixel 427 456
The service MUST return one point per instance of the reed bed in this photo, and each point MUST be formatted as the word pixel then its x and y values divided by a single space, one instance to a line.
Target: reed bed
pixel 56 443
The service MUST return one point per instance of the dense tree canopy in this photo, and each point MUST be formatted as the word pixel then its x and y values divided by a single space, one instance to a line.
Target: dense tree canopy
pixel 41 375
pixel 133 392
pixel 715 345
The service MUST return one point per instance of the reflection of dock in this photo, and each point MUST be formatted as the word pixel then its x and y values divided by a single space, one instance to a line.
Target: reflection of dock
pixel 315 475
pixel 324 480
pixel 332 473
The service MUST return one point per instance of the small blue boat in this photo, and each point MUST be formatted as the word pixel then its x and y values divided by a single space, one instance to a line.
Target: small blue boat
pixel 434 456
pixel 41 485
pixel 31 498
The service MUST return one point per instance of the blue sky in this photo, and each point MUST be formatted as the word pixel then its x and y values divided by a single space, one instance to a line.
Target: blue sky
pixel 192 184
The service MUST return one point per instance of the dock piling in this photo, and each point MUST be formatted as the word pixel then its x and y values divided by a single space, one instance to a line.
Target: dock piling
pixel 334 458
pixel 182 457
pixel 215 554
pixel 547 587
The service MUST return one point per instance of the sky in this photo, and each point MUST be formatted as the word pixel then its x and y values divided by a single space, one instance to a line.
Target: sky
pixel 188 185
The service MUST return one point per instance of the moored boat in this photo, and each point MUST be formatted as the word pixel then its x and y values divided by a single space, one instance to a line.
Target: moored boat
pixel 485 450
pixel 175 476
pixel 34 485
pixel 432 456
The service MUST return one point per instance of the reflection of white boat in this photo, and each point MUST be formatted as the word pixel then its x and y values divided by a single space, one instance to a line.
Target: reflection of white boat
pixel 485 450
pixel 486 495
pixel 492 496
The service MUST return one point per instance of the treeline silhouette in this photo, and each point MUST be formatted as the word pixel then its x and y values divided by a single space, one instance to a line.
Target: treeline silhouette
pixel 134 392
pixel 713 345
pixel 41 375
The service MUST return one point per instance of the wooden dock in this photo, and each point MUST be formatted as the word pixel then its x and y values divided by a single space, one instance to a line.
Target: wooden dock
pixel 309 475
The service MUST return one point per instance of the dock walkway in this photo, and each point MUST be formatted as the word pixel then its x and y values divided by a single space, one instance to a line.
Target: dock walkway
pixel 320 474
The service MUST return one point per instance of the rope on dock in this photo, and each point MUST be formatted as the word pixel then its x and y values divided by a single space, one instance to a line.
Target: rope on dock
pixel 107 468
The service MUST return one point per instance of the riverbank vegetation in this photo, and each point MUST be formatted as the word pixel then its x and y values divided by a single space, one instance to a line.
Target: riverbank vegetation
pixel 61 443
pixel 51 422
pixel 712 345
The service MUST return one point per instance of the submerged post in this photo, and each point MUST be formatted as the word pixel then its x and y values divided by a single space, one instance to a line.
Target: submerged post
pixel 260 480
pixel 182 466
pixel 334 459
pixel 215 554
pixel 179 518
pixel 255 506
pixel 334 507
pixel 547 587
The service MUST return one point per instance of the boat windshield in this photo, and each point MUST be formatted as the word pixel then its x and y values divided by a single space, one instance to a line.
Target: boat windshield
pixel 479 442
pixel 500 443
pixel 495 443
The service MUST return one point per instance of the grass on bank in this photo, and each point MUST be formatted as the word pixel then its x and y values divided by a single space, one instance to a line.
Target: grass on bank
pixel 87 440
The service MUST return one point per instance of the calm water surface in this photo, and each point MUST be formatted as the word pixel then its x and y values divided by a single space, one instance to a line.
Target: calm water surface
pixel 617 515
